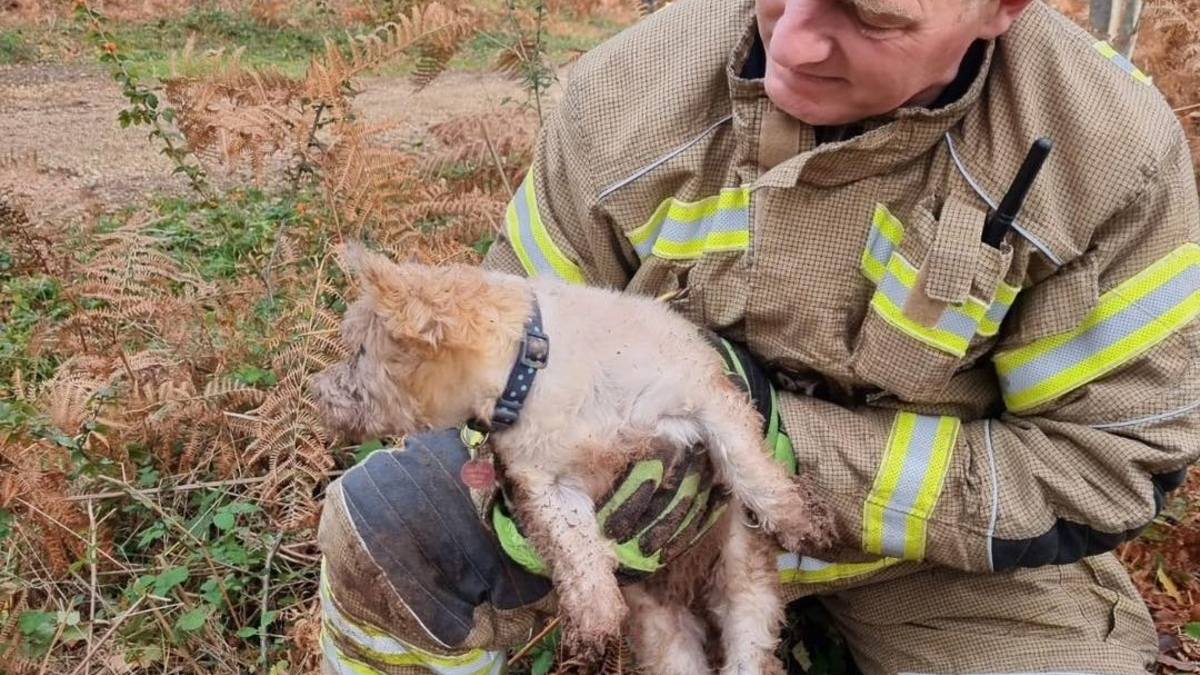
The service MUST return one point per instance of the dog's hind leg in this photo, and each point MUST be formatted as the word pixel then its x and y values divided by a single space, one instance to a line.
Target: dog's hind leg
pixel 746 602
pixel 666 637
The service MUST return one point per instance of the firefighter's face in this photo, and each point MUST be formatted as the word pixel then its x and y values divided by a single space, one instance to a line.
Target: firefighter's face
pixel 840 61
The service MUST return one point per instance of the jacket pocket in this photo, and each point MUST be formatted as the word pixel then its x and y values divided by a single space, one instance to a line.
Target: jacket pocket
pixel 939 294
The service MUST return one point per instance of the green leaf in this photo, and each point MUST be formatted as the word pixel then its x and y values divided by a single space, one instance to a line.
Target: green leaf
pixel 1192 629
pixel 542 663
pixel 366 449
pixel 193 619
pixel 224 520
pixel 210 590
pixel 168 579
pixel 5 519
pixel 247 632
pixel 36 622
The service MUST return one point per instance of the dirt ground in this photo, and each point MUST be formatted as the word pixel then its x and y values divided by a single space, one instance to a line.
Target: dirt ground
pixel 63 152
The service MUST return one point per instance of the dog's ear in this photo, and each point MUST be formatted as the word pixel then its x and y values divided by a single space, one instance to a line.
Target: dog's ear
pixel 419 304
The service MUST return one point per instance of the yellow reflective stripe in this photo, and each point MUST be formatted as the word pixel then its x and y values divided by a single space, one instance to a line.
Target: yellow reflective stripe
pixel 682 230
pixel 385 648
pixel 343 664
pixel 339 662
pixel 1108 52
pixel 907 485
pixel 1126 322
pixel 694 248
pixel 530 239
pixel 1006 295
pixel 895 277
pixel 794 569
pixel 884 237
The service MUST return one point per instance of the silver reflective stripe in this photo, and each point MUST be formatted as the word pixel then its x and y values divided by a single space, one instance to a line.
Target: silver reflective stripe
pixel 879 247
pixel 679 230
pixel 912 475
pixel 530 239
pixel 1022 383
pixel 1149 419
pixel 794 568
pixel 908 485
pixel 997 311
pixel 679 234
pixel 952 320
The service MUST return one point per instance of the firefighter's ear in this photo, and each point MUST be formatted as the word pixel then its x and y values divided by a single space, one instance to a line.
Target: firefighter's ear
pixel 997 16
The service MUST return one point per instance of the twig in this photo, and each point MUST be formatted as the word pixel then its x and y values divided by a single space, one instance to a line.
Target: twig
pixel 1186 108
pixel 534 641
pixel 187 534
pixel 495 158
pixel 266 589
pixel 73 533
pixel 176 488
pixel 92 649
pixel 92 548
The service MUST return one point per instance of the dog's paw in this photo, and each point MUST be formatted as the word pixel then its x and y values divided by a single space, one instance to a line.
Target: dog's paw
pixel 592 621
pixel 803 523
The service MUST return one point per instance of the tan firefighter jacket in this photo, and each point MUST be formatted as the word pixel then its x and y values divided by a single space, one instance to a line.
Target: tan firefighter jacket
pixel 986 408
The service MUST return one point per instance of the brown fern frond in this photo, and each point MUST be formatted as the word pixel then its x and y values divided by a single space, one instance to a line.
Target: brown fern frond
pixel 431 33
pixel 34 248
pixel 231 394
pixel 15 604
pixel 518 58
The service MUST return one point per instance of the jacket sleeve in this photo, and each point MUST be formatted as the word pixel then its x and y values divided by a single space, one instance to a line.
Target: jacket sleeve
pixel 1099 370
pixel 553 225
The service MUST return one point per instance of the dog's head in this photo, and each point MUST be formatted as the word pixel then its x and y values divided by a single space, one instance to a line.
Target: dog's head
pixel 430 346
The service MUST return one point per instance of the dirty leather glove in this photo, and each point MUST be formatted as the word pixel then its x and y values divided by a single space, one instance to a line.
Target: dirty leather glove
pixel 413 529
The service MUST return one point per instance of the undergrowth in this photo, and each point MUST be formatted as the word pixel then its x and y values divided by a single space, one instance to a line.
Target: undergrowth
pixel 161 463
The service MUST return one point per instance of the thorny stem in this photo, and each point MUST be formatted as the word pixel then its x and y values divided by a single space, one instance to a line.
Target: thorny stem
pixel 266 586
pixel 144 104
pixel 95 646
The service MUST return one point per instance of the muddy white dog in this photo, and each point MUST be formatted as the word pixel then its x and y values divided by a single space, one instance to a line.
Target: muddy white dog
pixel 435 346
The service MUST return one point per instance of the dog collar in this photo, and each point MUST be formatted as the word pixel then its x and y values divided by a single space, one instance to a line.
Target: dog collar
pixel 532 356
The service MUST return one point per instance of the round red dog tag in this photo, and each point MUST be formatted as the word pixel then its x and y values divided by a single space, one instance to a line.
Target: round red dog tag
pixel 478 474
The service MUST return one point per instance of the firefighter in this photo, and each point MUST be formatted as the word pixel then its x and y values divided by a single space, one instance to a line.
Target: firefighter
pixel 816 181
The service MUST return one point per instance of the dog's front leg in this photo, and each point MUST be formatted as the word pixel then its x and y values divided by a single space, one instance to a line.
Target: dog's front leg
pixel 560 521
pixel 785 506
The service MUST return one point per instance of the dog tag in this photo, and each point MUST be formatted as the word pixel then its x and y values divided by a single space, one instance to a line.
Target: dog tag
pixel 478 474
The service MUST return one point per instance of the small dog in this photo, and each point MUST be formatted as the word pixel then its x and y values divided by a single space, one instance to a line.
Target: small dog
pixel 619 376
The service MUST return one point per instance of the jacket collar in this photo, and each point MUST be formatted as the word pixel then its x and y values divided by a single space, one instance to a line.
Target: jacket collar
pixel 880 146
